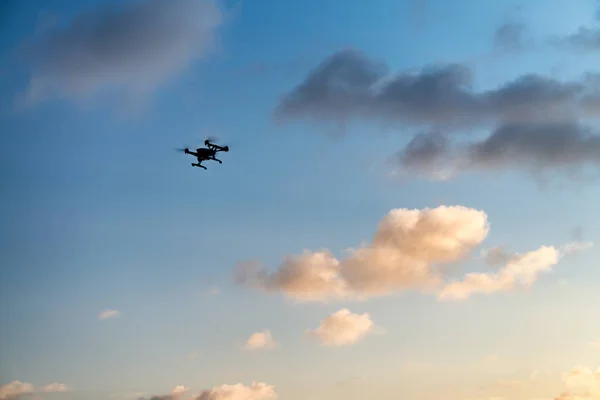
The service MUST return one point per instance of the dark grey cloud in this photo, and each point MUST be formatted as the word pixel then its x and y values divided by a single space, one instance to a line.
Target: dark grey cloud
pixel 136 46
pixel 560 146
pixel 348 86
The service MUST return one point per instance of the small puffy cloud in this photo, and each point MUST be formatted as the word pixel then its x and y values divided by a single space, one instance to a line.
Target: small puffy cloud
pixel 136 47
pixel 17 389
pixel 582 383
pixel 106 314
pixel 343 328
pixel 180 389
pixel 260 340
pixel 239 391
pixel 405 253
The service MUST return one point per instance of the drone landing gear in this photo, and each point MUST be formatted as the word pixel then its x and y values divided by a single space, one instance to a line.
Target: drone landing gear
pixel 198 165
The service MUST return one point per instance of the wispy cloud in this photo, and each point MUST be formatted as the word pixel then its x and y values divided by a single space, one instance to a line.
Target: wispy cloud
pixel 106 314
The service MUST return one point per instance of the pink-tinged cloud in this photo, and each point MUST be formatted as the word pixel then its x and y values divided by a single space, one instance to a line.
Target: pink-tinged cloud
pixel 581 383
pixel 343 328
pixel 55 388
pixel 239 391
pixel 521 270
pixel 405 253
pixel 17 389
pixel 410 250
pixel 260 340
pixel 106 314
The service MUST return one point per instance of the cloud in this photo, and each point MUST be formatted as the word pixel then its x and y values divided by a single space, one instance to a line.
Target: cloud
pixel 343 328
pixel 567 147
pixel 349 85
pixel 509 36
pixel 404 253
pixel 256 391
pixel 180 389
pixel 409 250
pixel 582 383
pixel 175 394
pixel 17 389
pixel 136 47
pixel 495 256
pixel 260 340
pixel 533 120
pixel 213 291
pixel 106 314
pixel 55 388
pixel 520 270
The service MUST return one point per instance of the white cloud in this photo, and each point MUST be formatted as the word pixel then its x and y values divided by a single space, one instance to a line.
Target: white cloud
pixel 256 391
pixel 106 314
pixel 260 340
pixel 135 47
pixel 17 389
pixel 343 328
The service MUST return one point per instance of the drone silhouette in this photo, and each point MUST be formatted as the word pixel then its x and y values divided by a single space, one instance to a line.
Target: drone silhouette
pixel 205 153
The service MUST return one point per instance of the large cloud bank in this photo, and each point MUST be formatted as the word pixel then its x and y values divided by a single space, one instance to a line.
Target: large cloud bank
pixel 409 250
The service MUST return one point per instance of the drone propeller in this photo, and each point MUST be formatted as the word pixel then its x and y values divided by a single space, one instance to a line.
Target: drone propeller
pixel 181 149
pixel 214 140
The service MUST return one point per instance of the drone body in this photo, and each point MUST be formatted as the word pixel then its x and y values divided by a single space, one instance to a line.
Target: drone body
pixel 206 153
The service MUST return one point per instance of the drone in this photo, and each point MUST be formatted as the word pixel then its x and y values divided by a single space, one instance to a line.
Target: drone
pixel 205 153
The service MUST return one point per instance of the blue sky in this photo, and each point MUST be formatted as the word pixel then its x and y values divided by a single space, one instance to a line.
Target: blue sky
pixel 100 213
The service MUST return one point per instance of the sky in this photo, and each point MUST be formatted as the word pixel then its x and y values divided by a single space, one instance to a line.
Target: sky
pixel 408 208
